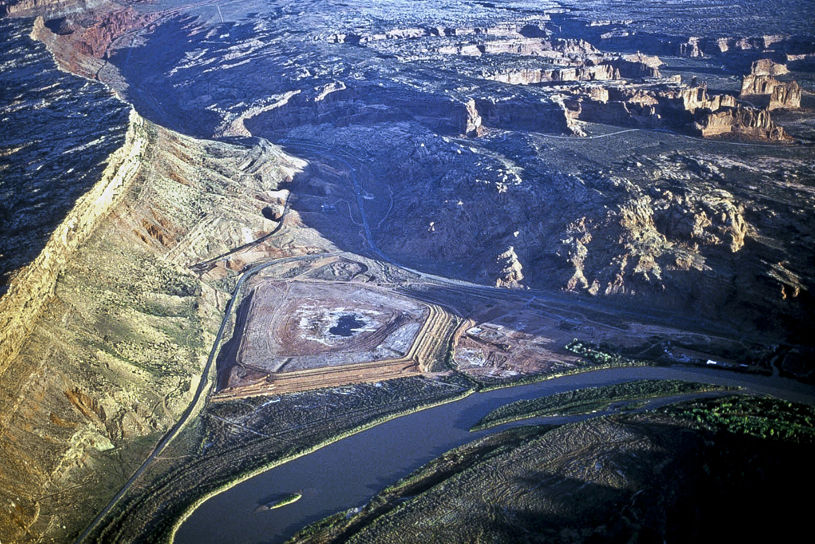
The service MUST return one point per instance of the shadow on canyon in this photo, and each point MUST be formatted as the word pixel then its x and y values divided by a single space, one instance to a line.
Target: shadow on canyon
pixel 177 78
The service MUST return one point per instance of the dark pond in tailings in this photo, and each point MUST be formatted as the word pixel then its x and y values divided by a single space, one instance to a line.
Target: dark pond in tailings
pixel 347 473
pixel 347 325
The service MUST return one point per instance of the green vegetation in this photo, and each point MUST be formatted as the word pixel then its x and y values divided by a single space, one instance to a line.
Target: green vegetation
pixel 598 356
pixel 623 478
pixel 758 417
pixel 591 399
pixel 288 499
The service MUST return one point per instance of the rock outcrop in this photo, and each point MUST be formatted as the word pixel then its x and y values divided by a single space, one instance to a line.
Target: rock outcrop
pixel 645 247
pixel 80 43
pixel 515 113
pixel 689 109
pixel 508 270
pixel 768 67
pixel 738 121
pixel 125 326
pixel 696 46
pixel 28 8
pixel 697 98
pixel 712 219
pixel 783 95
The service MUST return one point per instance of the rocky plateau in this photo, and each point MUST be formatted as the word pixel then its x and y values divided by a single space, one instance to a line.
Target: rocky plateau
pixel 620 153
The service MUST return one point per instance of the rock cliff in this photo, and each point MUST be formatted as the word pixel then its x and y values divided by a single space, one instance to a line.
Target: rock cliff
pixel 32 288
pixel 80 42
pixel 768 67
pixel 783 95
pixel 508 270
pixel 28 8
pixel 103 333
pixel 748 122
pixel 688 109
pixel 116 325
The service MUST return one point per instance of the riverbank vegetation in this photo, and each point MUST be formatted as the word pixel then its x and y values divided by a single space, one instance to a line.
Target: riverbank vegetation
pixel 636 477
pixel 342 525
pixel 765 418
pixel 590 399
pixel 233 441
pixel 279 502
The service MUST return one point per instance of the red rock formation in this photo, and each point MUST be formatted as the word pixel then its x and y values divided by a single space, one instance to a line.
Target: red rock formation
pixel 27 8
pixel 748 122
pixel 95 40
pixel 783 95
pixel 77 46
pixel 767 67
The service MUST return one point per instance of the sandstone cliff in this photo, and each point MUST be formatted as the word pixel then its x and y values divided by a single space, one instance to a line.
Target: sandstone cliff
pixel 783 95
pixel 768 67
pixel 103 334
pixel 696 46
pixel 32 287
pixel 748 122
pixel 508 270
pixel 124 324
pixel 689 109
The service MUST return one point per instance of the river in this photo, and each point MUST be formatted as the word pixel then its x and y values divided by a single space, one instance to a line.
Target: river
pixel 349 472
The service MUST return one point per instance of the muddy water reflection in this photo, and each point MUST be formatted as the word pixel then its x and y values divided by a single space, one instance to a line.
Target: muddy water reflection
pixel 347 473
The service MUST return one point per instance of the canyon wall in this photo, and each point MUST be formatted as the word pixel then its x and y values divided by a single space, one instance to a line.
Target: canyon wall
pixel 32 287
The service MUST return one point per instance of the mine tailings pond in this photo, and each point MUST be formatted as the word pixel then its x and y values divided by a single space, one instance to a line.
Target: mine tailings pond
pixel 347 473
pixel 347 325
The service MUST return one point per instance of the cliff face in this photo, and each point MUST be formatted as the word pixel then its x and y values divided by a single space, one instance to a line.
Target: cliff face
pixel 689 109
pixel 32 288
pixel 696 46
pixel 49 157
pixel 80 42
pixel 508 270
pixel 28 8
pixel 739 121
pixel 768 67
pixel 124 324
pixel 783 95
pixel 104 332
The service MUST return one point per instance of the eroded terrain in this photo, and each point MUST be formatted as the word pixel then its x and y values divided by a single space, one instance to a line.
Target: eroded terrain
pixel 384 208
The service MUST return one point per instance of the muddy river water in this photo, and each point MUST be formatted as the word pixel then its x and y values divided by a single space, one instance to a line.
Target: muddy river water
pixel 348 473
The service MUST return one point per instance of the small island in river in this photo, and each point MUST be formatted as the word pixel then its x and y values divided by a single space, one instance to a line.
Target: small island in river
pixel 277 503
